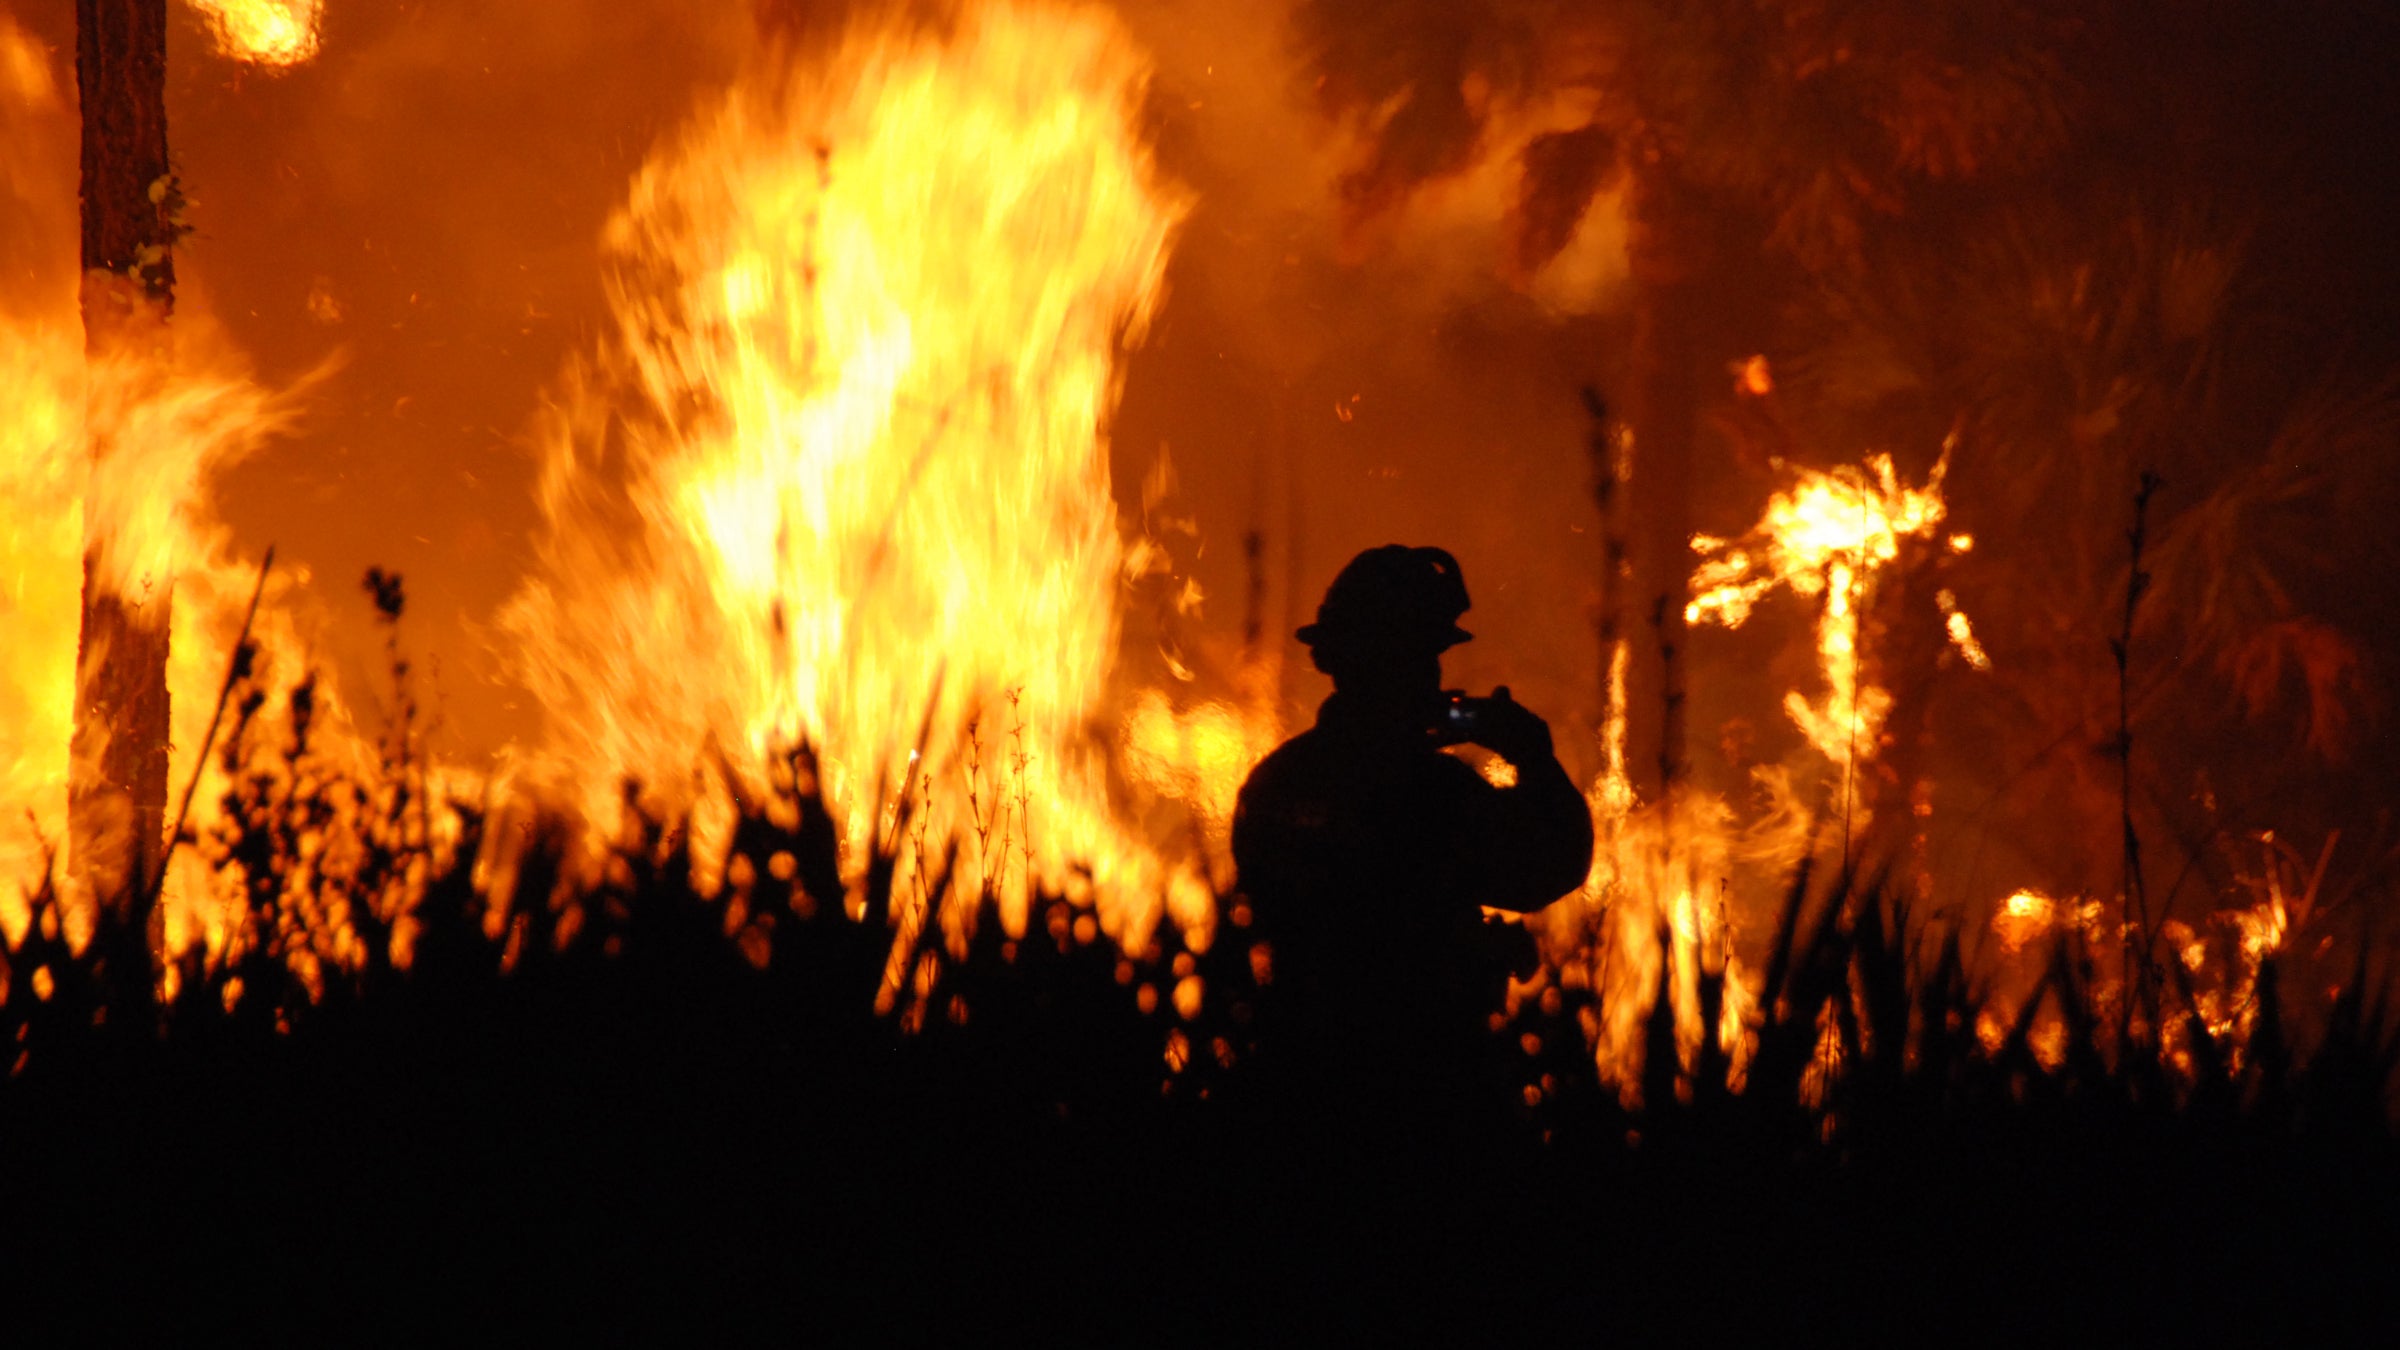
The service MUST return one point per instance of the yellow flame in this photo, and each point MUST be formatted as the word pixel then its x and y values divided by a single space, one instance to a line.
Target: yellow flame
pixel 41 588
pixel 1962 632
pixel 1642 919
pixel 1827 536
pixel 113 451
pixel 1498 772
pixel 275 33
pixel 2024 918
pixel 841 476
pixel 2262 928
pixel 1198 756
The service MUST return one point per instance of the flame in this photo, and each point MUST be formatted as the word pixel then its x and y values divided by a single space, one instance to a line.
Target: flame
pixel 25 79
pixel 1644 912
pixel 1641 913
pixel 1961 631
pixel 166 431
pixel 1199 756
pixel 2262 928
pixel 2024 918
pixel 41 587
pixel 841 475
pixel 1498 772
pixel 167 422
pixel 278 34
pixel 1825 537
pixel 116 449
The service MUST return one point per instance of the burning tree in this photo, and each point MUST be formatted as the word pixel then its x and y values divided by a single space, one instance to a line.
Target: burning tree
pixel 132 211
pixel 114 432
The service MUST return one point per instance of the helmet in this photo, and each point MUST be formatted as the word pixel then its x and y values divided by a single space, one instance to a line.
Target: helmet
pixel 1393 596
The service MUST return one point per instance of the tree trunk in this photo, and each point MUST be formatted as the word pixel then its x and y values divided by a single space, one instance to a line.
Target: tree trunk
pixel 118 789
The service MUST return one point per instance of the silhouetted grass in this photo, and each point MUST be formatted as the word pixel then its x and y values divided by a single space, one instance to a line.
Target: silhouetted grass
pixel 608 1101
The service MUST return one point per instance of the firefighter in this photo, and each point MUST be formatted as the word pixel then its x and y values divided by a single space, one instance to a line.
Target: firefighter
pixel 1366 854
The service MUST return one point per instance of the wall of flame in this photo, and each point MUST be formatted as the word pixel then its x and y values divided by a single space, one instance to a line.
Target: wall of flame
pixel 839 477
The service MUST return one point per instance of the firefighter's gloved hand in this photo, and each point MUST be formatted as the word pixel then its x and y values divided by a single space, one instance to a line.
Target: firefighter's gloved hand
pixel 1512 731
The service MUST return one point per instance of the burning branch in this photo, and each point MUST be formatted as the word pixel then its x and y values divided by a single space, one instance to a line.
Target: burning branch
pixel 118 792
pixel 1827 537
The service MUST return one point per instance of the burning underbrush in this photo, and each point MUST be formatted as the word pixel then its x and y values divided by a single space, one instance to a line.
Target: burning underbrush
pixel 430 1008
pixel 336 881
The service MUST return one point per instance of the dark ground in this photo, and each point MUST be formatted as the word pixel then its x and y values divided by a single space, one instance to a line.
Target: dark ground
pixel 642 1156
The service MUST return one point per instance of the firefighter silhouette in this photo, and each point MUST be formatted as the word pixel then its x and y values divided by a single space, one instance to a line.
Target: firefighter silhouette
pixel 1366 853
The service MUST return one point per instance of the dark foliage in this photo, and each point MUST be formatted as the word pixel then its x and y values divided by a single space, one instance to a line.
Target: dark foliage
pixel 635 1109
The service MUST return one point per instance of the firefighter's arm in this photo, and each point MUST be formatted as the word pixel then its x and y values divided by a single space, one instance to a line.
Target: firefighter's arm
pixel 1538 833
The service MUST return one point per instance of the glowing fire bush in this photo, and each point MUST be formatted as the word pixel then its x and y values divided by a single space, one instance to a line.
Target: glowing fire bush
pixel 840 478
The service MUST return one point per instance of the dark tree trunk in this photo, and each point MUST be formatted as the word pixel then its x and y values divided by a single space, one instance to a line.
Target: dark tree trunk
pixel 118 792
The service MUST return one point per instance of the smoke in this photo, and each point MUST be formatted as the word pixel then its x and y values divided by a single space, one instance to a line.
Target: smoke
pixel 424 197
pixel 37 175
pixel 1350 356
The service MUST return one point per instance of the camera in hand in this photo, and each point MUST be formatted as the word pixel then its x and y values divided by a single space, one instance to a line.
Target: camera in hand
pixel 1462 720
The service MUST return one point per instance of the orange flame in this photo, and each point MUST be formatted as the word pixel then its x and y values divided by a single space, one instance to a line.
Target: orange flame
pixel 1646 910
pixel 277 34
pixel 1827 536
pixel 841 477
pixel 170 415
pixel 1199 756
pixel 1642 912
pixel 2023 919
pixel 168 424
